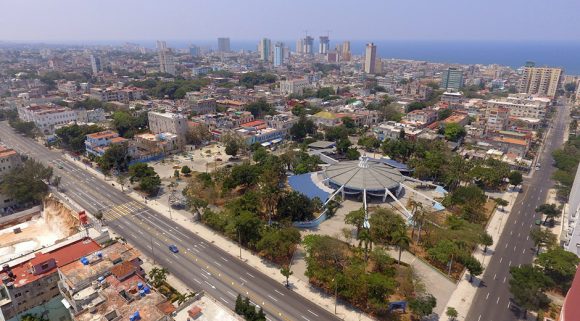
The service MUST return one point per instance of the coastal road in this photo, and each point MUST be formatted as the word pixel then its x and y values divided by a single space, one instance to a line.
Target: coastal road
pixel 199 264
pixel 514 248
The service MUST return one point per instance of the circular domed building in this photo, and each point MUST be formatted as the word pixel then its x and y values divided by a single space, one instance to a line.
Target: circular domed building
pixel 364 177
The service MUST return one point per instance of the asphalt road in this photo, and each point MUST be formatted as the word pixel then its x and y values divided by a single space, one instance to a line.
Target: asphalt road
pixel 492 299
pixel 199 264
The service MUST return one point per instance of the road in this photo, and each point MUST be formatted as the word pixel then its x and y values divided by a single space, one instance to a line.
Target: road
pixel 199 264
pixel 491 302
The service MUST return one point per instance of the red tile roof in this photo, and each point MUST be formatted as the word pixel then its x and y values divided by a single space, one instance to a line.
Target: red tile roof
pixel 571 308
pixel 62 256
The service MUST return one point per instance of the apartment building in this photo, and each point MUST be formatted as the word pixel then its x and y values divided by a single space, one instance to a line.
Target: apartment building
pixel 109 284
pixel 521 107
pixel 420 118
pixel 32 280
pixel 90 116
pixel 542 81
pixel 497 119
pixel 203 106
pixel 393 130
pixel 124 95
pixel 169 123
pixel 258 132
pixel 97 143
pixel 47 117
pixel 294 86
pixel 9 160
pixel 228 120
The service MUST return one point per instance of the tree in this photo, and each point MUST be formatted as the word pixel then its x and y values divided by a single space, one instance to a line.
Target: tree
pixel 232 148
pixel 295 206
pixel 158 276
pixel 278 244
pixel 239 307
pixel 116 157
pixel 302 128
pixel 444 252
pixel 486 240
pixel 352 154
pixel 560 265
pixel 402 241
pixel 542 237
pixel 454 132
pixel 32 317
pixel 343 145
pixel 451 313
pixel 527 285
pixel 515 178
pixel 122 180
pixel 286 272
pixel 550 210
pixel 176 173
pixel 501 202
pixel 423 306
pixel 148 179
pixel 384 223
pixel 56 181
pixel 444 113
pixel 473 266
pixel 185 170
pixel 26 182
pixel 23 127
pixel 356 218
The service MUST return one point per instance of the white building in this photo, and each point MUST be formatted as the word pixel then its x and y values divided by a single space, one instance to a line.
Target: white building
pixel 295 86
pixel 47 117
pixel 522 107
pixel 160 123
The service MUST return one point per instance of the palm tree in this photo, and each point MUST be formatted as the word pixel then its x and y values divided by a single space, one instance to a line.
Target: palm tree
pixel 402 241
pixel 365 238
pixel 158 275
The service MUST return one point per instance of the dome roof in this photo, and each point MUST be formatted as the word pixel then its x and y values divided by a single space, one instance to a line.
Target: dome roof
pixel 364 174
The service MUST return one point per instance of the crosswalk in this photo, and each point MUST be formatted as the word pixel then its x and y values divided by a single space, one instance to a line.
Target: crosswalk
pixel 121 210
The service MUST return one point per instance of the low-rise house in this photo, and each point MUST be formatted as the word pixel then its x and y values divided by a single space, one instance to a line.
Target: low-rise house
pixel 97 143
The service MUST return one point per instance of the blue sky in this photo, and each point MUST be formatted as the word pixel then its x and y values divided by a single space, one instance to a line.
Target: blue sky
pixel 368 20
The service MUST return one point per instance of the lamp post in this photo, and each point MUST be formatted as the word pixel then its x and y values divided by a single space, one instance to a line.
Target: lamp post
pixel 335 293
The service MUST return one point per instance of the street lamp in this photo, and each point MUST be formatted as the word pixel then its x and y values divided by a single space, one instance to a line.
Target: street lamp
pixel 335 293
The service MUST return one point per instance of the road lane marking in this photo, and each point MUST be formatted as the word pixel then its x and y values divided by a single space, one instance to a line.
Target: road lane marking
pixel 494 276
pixel 216 263
pixel 282 294
pixel 226 301
pixel 496 302
pixel 305 318
pixel 232 294
pixel 514 248
pixel 250 275
pixel 244 280
pixel 500 259
pixel 223 258
pixel 196 280
pixel 273 298
pixel 316 315
pixel 487 296
pixel 503 279
pixel 510 263
pixel 527 238
pixel 212 286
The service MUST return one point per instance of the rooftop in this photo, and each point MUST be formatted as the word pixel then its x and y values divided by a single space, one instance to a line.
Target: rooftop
pixel 104 134
pixel 364 174
pixel 62 256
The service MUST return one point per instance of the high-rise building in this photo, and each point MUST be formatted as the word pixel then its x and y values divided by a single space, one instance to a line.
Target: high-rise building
pixel 370 58
pixel 307 45
pixel 265 48
pixel 223 44
pixel 300 46
pixel 160 123
pixel 166 62
pixel 324 45
pixel 452 78
pixel 345 52
pixel 278 54
pixel 540 81
pixel 96 64
pixel 194 51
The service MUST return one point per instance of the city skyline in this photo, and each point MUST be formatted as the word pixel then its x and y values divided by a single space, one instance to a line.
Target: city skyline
pixel 411 20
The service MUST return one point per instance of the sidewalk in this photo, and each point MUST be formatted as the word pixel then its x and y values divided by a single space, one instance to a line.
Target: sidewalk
pixel 462 297
pixel 184 218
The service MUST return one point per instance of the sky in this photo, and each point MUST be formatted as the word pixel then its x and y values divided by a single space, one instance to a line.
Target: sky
pixel 367 20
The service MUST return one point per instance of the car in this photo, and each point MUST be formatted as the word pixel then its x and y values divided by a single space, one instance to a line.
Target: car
pixel 60 167
pixel 538 222
pixel 173 248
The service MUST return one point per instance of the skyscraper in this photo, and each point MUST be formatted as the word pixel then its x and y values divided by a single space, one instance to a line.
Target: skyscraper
pixel 223 44
pixel 278 54
pixel 265 48
pixel 307 45
pixel 96 64
pixel 370 58
pixel 540 81
pixel 300 45
pixel 345 54
pixel 452 78
pixel 324 45
pixel 194 50
pixel 166 62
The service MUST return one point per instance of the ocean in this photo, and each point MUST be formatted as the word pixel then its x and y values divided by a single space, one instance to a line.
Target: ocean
pixel 514 54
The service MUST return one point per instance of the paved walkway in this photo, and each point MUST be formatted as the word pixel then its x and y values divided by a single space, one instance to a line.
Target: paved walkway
pixel 462 297
pixel 184 218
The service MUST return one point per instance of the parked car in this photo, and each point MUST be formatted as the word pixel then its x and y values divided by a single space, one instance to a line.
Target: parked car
pixel 173 248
